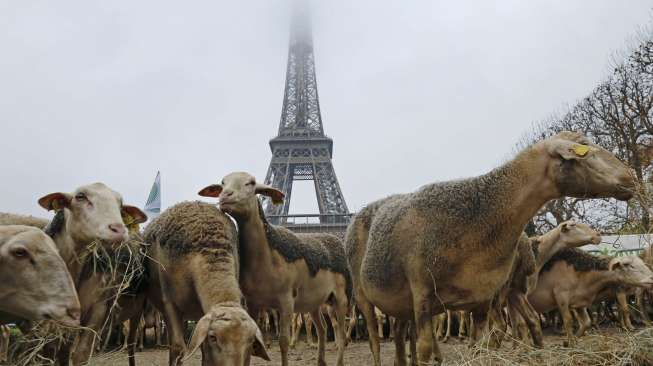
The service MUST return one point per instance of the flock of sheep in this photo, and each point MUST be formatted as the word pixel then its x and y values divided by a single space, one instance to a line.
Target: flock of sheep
pixel 451 247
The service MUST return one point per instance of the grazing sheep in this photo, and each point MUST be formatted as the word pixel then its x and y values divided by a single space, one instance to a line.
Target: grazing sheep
pixel 451 245
pixel 87 221
pixel 573 279
pixel 194 274
pixel 283 270
pixel 34 281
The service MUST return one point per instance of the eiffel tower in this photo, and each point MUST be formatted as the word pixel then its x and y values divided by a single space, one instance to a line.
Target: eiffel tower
pixel 301 150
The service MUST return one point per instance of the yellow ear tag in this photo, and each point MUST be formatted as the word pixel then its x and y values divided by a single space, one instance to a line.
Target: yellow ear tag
pixel 55 205
pixel 129 221
pixel 581 150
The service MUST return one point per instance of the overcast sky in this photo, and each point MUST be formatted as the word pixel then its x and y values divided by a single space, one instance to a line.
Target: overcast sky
pixel 411 91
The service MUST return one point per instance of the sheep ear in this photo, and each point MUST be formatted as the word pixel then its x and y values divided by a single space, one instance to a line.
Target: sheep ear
pixel 615 265
pixel 258 347
pixel 213 190
pixel 569 150
pixel 276 195
pixel 564 227
pixel 55 201
pixel 133 214
pixel 199 335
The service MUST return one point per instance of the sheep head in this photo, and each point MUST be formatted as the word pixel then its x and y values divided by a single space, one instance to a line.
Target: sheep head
pixel 237 194
pixel 580 168
pixel 36 284
pixel 229 335
pixel 94 212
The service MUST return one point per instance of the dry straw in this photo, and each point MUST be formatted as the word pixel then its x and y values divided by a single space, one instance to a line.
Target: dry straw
pixel 605 347
pixel 122 268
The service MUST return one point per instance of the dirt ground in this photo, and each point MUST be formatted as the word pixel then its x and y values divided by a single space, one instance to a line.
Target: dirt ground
pixel 356 354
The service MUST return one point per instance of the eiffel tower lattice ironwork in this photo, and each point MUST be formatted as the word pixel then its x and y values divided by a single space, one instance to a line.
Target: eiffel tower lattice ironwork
pixel 301 150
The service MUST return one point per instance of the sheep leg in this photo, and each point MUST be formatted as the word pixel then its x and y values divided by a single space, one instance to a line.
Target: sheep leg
pixel 462 323
pixel 624 311
pixel 641 306
pixel 413 345
pixel 86 339
pixel 175 327
pixel 400 342
pixel 295 329
pixel 499 324
pixel 308 326
pixel 367 309
pixel 341 312
pixel 157 329
pixel 320 328
pixel 131 339
pixel 584 321
pixel 285 318
pixel 514 316
pixel 479 322
pixel 447 334
pixel 567 318
pixel 424 324
pixel 351 325
pixel 141 333
pixel 525 309
pixel 379 322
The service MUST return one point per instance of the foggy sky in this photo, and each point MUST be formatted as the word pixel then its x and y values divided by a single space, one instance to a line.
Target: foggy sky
pixel 411 91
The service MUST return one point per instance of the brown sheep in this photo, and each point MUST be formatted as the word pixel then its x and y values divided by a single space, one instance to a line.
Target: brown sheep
pixel 451 245
pixel 194 276
pixel 574 279
pixel 282 270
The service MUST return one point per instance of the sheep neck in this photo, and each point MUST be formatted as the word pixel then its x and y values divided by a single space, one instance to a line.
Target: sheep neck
pixel 253 242
pixel 547 247
pixel 531 186
pixel 68 249
pixel 595 281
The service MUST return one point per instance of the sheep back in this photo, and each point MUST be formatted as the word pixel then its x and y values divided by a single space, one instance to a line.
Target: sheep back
pixel 320 251
pixel 579 259
pixel 190 227
pixel 15 219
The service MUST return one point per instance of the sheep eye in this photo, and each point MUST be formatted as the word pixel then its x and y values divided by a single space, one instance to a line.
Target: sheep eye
pixel 250 183
pixel 80 197
pixel 20 253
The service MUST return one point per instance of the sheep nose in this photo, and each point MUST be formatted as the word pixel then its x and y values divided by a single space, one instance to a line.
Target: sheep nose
pixel 118 229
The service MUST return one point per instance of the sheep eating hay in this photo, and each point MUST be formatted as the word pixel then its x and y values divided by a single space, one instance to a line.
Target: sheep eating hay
pixel 195 276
